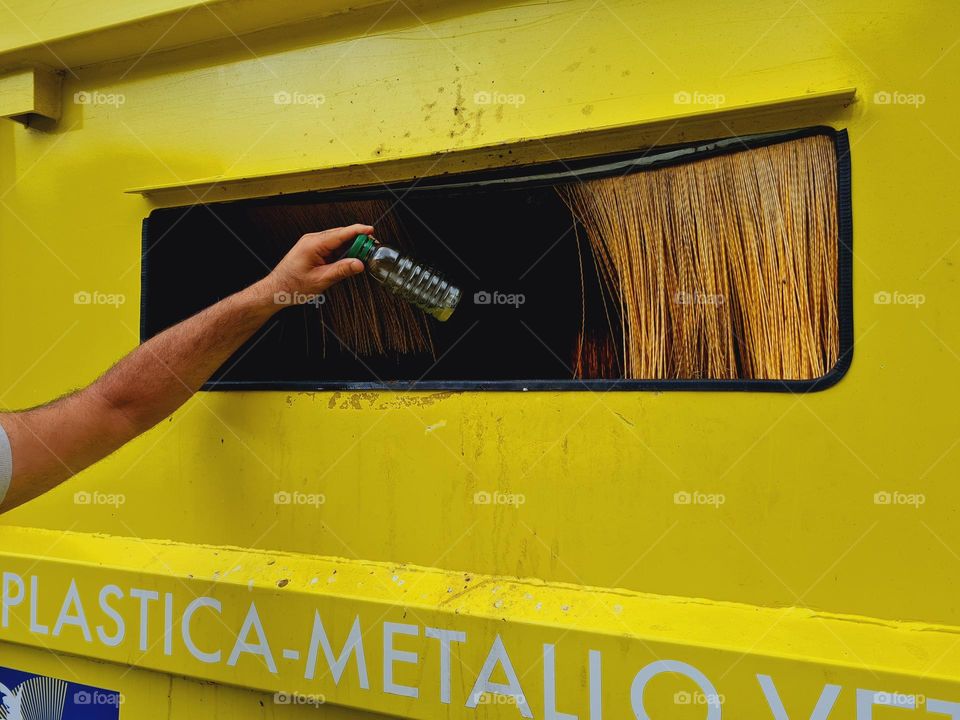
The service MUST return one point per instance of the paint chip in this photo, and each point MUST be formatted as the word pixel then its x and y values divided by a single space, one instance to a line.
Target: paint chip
pixel 435 426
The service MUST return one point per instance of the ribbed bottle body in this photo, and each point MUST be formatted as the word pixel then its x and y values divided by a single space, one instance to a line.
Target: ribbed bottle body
pixel 414 282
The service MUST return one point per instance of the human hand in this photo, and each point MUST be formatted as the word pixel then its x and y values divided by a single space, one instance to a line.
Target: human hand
pixel 306 270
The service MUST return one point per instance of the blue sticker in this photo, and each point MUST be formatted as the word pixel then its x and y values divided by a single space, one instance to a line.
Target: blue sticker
pixel 27 696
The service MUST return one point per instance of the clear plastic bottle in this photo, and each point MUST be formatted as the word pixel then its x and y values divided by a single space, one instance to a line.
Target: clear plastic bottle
pixel 405 277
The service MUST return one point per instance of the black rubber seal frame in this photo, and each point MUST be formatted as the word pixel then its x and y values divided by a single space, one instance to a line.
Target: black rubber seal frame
pixel 512 176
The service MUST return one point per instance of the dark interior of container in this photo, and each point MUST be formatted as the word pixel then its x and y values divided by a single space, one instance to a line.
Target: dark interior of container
pixel 505 239
pixel 503 231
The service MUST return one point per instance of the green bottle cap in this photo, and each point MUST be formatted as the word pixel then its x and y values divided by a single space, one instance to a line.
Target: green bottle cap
pixel 361 247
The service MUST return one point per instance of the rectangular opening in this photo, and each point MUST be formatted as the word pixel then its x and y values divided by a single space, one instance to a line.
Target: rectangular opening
pixel 724 265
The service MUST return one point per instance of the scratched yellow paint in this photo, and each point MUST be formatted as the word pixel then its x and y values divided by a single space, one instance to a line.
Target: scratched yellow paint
pixel 799 525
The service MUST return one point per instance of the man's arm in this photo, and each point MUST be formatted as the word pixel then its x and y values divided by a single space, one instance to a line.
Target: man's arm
pixel 52 442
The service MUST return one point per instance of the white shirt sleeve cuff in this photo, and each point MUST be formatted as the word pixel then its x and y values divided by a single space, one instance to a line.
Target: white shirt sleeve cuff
pixel 6 463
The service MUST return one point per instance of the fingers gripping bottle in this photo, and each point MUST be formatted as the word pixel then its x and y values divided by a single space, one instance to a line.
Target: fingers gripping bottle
pixel 405 277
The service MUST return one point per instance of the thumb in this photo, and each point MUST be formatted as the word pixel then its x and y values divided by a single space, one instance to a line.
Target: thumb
pixel 341 270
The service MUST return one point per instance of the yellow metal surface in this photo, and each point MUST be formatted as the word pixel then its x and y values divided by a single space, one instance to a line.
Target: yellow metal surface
pixel 30 92
pixel 154 696
pixel 841 503
pixel 694 123
pixel 418 642
pixel 97 31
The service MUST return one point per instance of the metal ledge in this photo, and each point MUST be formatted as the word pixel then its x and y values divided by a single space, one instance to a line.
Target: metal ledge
pixel 250 618
pixel 88 32
pixel 776 114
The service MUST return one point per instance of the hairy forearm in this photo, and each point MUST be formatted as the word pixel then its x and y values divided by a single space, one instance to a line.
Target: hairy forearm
pixel 52 442
pixel 57 440
pixel 160 375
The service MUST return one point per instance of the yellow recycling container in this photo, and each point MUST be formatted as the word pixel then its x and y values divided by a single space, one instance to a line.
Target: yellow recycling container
pixel 287 549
